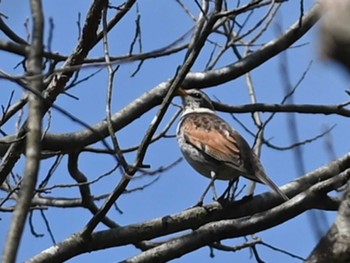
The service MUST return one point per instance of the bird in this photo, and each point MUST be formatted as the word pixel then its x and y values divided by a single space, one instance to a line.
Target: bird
pixel 213 147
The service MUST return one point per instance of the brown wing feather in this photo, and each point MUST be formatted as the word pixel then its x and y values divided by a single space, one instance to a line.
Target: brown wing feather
pixel 221 146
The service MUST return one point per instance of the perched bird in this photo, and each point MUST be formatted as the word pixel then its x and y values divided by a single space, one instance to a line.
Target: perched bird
pixel 212 147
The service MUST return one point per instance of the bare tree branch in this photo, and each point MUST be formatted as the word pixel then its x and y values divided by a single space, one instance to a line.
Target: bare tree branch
pixel 334 246
pixel 33 142
pixel 212 222
pixel 218 43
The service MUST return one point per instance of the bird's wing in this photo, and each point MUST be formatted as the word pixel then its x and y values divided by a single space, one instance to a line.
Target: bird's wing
pixel 221 146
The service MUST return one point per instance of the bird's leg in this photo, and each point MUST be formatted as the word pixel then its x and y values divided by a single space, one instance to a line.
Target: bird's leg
pixel 211 185
pixel 226 194
pixel 251 189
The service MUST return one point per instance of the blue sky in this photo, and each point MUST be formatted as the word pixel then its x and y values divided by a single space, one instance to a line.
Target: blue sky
pixel 179 188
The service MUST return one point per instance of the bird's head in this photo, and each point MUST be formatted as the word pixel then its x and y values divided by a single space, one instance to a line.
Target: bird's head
pixel 194 99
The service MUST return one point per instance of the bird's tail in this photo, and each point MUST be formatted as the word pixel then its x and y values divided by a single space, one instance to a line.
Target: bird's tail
pixel 263 178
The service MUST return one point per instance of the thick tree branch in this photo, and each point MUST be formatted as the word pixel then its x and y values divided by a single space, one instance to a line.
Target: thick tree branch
pixel 231 228
pixel 308 192
pixel 335 245
pixel 33 142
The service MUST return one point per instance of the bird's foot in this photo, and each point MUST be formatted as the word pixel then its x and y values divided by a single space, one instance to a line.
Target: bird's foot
pixel 198 204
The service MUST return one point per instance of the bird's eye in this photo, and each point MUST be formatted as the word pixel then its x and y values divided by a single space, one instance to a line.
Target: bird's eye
pixel 197 95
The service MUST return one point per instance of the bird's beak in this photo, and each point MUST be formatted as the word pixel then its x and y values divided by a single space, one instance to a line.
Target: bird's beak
pixel 181 92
